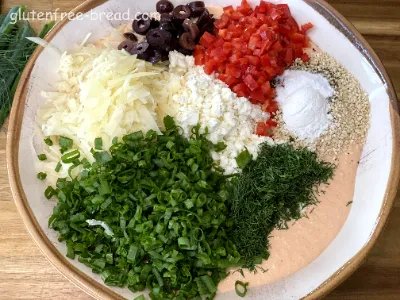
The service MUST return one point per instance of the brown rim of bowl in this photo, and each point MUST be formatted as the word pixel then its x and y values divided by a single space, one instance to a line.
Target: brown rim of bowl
pixel 100 291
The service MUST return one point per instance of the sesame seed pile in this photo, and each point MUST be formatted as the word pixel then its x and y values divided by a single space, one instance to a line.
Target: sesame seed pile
pixel 350 108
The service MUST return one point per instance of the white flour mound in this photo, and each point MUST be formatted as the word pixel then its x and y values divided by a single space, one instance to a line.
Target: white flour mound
pixel 304 101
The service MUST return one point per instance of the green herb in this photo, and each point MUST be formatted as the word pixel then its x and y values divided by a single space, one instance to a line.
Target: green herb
pixel 271 191
pixel 58 167
pixel 243 158
pixel 41 176
pixel 165 203
pixel 49 192
pixel 239 271
pixel 141 297
pixel 48 142
pixel 219 147
pixel 45 29
pixel 70 157
pixel 42 157
pixel 241 288
pixel 98 144
pixel 349 203
pixel 15 50
pixel 65 144
pixel 8 23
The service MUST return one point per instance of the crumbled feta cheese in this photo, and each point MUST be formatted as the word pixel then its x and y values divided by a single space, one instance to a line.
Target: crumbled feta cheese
pixel 179 63
pixel 208 101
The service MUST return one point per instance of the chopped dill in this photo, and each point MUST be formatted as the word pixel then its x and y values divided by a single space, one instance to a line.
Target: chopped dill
pixel 239 271
pixel 272 190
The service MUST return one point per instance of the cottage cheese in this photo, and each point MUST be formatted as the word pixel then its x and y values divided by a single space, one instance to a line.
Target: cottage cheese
pixel 229 119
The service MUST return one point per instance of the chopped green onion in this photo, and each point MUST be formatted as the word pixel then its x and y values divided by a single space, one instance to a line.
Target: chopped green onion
pixel 136 136
pixel 58 167
pixel 49 192
pixel 41 176
pixel 70 156
pixel 243 158
pixel 42 157
pixel 158 277
pixel 102 157
pixel 141 297
pixel 65 144
pixel 209 283
pixel 241 285
pixel 45 29
pixel 98 144
pixel 153 192
pixel 48 142
pixel 219 147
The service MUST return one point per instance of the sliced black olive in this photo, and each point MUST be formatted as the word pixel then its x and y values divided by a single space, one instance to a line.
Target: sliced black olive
pixel 164 6
pixel 209 27
pixel 127 45
pixel 186 41
pixel 170 28
pixel 191 27
pixel 197 11
pixel 185 52
pixel 171 46
pixel 203 19
pixel 155 56
pixel 154 23
pixel 158 37
pixel 197 4
pixel 165 18
pixel 142 50
pixel 181 12
pixel 165 56
pixel 141 26
pixel 181 31
pixel 130 36
pixel 197 8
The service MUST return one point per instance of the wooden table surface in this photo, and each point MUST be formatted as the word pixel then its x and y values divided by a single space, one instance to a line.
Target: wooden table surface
pixel 26 274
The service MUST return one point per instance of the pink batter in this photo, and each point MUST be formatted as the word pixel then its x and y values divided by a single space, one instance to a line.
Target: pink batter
pixel 293 249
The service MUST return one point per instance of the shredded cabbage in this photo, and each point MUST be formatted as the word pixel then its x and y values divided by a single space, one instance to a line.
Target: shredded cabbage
pixel 104 93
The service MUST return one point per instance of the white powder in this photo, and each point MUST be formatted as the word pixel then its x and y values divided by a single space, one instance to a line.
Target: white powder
pixel 303 98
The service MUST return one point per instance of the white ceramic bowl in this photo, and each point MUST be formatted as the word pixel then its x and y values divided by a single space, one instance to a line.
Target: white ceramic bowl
pixel 377 175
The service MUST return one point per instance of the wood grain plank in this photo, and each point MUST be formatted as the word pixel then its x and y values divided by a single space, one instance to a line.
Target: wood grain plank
pixel 368 9
pixel 36 5
pixel 388 50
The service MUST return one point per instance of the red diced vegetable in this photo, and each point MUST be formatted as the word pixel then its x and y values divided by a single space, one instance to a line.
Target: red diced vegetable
pixel 250 47
pixel 250 82
pixel 298 37
pixel 199 59
pixel 210 66
pixel 233 71
pixel 207 39
pixel 306 27
pixel 261 129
